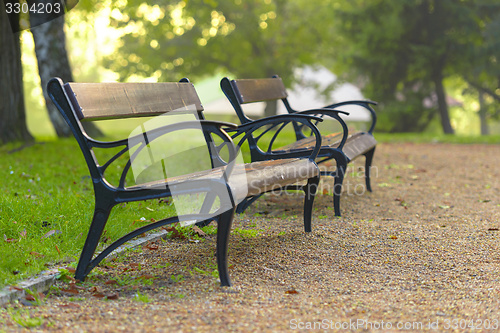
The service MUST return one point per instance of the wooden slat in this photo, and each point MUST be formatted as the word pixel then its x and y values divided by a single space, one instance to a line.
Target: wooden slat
pixel 356 145
pixel 252 178
pixel 272 175
pixel 96 101
pixel 330 140
pixel 359 145
pixel 258 90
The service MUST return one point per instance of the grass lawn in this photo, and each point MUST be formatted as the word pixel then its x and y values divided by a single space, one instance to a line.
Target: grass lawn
pixel 46 207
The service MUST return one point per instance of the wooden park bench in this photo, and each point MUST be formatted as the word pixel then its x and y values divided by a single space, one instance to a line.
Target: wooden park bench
pixel 224 179
pixel 343 147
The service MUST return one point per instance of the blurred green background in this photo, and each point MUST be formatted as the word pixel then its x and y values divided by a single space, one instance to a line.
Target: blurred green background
pixel 395 52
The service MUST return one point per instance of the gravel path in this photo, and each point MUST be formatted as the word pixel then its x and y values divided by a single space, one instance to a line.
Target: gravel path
pixel 421 252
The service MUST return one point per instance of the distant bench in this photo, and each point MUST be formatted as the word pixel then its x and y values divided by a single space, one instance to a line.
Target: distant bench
pixel 343 147
pixel 224 179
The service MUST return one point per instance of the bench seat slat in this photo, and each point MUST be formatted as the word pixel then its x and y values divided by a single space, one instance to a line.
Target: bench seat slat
pixel 99 101
pixel 250 179
pixel 357 144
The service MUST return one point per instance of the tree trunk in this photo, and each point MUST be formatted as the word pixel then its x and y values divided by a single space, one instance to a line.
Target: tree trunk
pixel 483 115
pixel 442 104
pixel 271 108
pixel 12 112
pixel 50 49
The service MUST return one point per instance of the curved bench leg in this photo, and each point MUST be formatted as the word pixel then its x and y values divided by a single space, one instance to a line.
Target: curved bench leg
pixel 337 185
pixel 245 203
pixel 101 214
pixel 310 193
pixel 368 164
pixel 224 223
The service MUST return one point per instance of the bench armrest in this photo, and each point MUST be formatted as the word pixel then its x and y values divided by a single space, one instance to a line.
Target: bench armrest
pixel 333 114
pixel 279 122
pixel 281 117
pixel 365 104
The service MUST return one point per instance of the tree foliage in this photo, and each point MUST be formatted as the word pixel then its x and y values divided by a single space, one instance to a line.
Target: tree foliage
pixel 403 50
pixel 400 52
pixel 482 70
pixel 248 38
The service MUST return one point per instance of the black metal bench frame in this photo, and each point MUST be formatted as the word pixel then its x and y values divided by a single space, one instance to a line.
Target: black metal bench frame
pixel 107 196
pixel 243 91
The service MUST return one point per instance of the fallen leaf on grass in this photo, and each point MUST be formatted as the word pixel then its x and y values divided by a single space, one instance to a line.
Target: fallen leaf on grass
pixel 94 290
pixel 68 277
pixel 199 232
pixel 9 240
pixel 70 291
pixel 36 254
pixel 175 233
pixel 16 288
pixel 112 296
pixel 75 286
pixel 98 295
pixel 69 305
pixel 151 246
pixel 32 297
pixel 111 282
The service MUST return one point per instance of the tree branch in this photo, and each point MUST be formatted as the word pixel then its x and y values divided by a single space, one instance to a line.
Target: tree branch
pixel 483 89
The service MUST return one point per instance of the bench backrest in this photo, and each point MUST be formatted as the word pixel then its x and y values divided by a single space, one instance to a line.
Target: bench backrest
pixel 99 101
pixel 245 91
pixel 259 90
